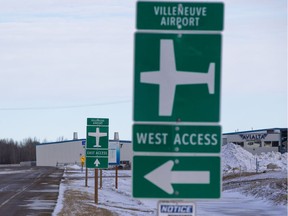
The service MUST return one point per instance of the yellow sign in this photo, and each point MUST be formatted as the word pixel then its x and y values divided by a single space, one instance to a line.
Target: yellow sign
pixel 82 158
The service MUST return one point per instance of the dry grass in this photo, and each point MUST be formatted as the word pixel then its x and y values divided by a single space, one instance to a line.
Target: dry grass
pixel 237 175
pixel 81 203
pixel 274 190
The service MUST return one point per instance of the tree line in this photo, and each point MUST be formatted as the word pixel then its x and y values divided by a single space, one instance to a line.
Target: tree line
pixel 13 152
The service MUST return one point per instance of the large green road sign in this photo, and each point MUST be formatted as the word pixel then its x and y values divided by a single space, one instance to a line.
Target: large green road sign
pixel 176 104
pixel 97 141
pixel 180 15
pixel 176 138
pixel 177 77
pixel 175 177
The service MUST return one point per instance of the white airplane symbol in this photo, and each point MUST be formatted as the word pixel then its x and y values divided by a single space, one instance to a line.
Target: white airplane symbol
pixel 168 78
pixel 97 135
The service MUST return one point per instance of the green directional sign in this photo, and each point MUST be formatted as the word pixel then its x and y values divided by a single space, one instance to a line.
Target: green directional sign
pixel 97 162
pixel 98 121
pixel 176 138
pixel 177 77
pixel 176 104
pixel 180 16
pixel 173 177
pixel 97 141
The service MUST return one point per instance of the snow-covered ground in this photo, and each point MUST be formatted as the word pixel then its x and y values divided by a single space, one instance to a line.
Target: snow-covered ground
pixel 238 197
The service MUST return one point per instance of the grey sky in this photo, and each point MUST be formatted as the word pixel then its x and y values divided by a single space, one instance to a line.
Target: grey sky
pixel 64 61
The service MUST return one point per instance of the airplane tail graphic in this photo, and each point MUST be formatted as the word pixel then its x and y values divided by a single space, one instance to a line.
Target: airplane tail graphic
pixel 211 78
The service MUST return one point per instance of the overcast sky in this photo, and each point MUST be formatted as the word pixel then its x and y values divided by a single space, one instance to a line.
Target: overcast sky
pixel 62 61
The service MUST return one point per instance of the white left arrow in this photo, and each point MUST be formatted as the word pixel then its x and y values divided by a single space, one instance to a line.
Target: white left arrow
pixel 97 162
pixel 163 177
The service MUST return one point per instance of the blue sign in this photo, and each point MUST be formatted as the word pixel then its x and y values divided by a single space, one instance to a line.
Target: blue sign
pixel 114 153
pixel 176 208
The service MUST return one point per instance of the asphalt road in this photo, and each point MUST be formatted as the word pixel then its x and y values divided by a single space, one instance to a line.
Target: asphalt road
pixel 29 190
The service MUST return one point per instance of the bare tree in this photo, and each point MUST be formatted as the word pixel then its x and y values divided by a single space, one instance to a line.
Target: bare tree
pixel 12 152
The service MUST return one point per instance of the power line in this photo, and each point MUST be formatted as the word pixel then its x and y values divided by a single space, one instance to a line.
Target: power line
pixel 62 107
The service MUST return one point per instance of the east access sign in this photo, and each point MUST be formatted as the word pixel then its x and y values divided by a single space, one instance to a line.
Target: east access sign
pixel 97 141
pixel 177 77
pixel 180 16
pixel 174 177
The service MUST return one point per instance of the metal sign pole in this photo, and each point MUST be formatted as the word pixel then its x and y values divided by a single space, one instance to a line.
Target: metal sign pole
pixel 96 186
pixel 86 177
pixel 100 178
pixel 116 177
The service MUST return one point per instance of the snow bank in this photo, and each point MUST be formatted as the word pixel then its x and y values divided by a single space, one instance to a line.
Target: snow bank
pixel 272 158
pixel 74 166
pixel 237 159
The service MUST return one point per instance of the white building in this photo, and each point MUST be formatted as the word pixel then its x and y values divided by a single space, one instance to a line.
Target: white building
pixel 257 141
pixel 70 152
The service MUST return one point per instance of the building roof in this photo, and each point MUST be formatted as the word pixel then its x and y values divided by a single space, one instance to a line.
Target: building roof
pixel 257 131
pixel 79 140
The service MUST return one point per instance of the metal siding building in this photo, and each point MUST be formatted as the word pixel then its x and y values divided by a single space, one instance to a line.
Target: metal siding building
pixel 257 141
pixel 54 153
pixel 70 152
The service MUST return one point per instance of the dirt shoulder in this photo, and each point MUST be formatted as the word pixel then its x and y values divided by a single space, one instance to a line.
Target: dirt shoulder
pixel 76 202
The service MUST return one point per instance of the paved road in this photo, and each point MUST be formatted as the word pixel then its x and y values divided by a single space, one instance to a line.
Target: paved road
pixel 28 190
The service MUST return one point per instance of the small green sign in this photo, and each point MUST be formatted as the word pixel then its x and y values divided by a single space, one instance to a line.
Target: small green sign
pixel 180 16
pixel 97 137
pixel 177 77
pixel 97 162
pixel 173 177
pixel 98 121
pixel 176 138
pixel 97 143
pixel 97 152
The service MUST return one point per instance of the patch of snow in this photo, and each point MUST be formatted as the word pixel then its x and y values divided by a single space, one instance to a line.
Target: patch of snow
pixel 280 160
pixel 60 199
pixel 235 203
pixel 40 204
pixel 44 191
pixel 4 172
pixel 74 166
